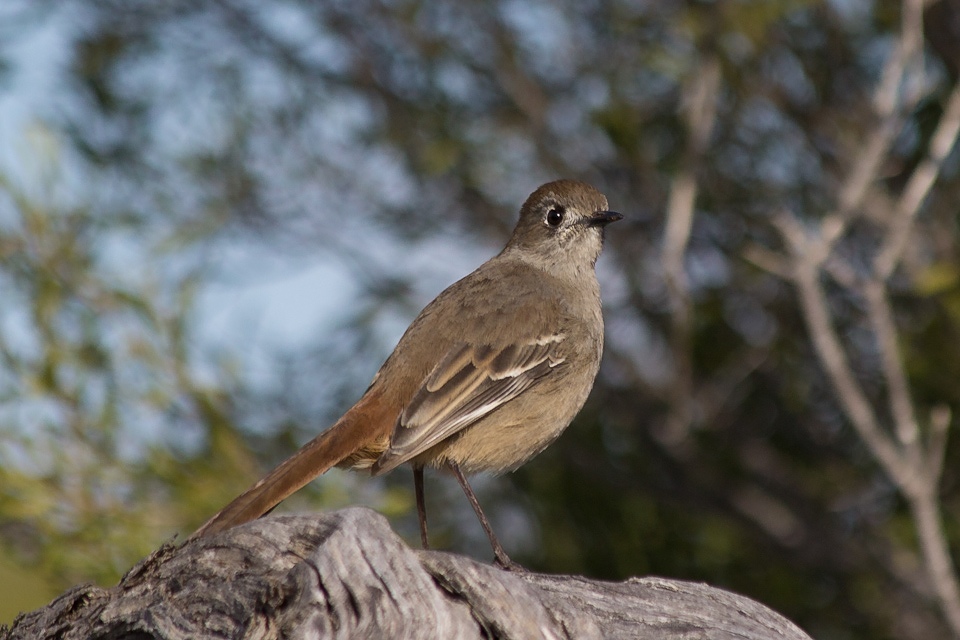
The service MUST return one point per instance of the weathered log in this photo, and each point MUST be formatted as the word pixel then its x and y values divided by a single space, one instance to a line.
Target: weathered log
pixel 348 575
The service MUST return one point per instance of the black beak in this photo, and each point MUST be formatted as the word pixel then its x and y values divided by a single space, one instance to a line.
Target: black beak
pixel 603 218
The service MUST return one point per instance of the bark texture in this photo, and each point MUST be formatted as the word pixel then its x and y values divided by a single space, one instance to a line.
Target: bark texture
pixel 347 575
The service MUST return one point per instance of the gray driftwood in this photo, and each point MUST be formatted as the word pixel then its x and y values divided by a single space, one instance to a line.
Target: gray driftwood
pixel 347 575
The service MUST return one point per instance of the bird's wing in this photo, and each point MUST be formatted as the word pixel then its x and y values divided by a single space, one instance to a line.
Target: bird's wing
pixel 468 383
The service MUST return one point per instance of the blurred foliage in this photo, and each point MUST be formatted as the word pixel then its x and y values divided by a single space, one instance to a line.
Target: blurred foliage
pixel 366 131
pixel 98 401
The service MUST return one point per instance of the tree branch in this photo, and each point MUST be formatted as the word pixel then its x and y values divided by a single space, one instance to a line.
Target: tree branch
pixel 830 352
pixel 889 111
pixel 936 554
pixel 898 389
pixel 347 575
pixel 917 188
pixel 912 463
pixel 701 111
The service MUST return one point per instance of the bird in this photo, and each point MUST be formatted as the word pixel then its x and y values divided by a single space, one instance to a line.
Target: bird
pixel 488 375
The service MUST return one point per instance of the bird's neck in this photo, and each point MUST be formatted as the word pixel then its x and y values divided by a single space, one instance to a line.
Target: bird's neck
pixel 560 265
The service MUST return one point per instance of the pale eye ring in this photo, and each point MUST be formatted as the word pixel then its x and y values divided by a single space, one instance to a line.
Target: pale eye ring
pixel 554 216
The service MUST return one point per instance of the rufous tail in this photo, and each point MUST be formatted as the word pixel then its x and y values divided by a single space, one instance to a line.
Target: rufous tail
pixel 359 428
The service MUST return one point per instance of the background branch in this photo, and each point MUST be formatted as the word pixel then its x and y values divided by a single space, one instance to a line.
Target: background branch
pixel 700 109
pixel 918 186
pixel 910 461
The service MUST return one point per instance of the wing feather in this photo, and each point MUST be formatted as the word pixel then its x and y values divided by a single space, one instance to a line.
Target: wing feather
pixel 469 383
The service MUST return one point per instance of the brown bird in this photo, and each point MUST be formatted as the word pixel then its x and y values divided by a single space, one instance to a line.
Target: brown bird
pixel 488 374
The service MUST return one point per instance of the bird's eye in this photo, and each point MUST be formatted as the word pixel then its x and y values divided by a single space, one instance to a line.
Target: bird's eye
pixel 555 216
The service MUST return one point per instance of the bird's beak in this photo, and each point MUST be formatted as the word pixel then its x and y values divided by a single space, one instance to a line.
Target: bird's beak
pixel 603 218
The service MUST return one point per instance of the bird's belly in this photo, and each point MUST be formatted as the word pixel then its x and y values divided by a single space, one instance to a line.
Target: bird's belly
pixel 510 436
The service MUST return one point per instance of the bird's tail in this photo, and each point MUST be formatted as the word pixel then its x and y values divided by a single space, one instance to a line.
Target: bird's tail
pixel 362 431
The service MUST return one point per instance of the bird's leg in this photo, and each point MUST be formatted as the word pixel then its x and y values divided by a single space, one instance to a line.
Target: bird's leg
pixel 421 504
pixel 502 559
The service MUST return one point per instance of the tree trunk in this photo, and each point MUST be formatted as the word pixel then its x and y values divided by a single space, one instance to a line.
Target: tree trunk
pixel 347 575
